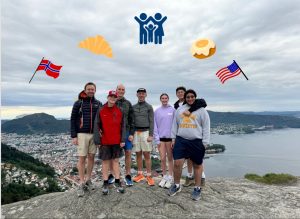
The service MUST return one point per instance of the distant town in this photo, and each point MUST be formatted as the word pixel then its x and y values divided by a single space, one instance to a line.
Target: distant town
pixel 58 151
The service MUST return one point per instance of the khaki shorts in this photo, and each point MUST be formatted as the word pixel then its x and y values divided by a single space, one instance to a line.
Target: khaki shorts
pixel 86 144
pixel 140 141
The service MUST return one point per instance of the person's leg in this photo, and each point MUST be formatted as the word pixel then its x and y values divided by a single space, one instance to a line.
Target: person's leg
pixel 162 154
pixel 139 160
pixel 170 158
pixel 147 162
pixel 90 165
pixel 128 162
pixel 116 168
pixel 105 167
pixel 81 168
pixel 178 170
pixel 198 173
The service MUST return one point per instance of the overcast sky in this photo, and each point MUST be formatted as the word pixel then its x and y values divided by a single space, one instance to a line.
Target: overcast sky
pixel 261 35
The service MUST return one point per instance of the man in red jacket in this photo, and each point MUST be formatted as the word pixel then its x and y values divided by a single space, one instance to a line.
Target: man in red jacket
pixel 109 132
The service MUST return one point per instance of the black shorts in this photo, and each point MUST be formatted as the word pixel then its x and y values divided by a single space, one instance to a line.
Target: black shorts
pixel 165 139
pixel 109 152
pixel 192 149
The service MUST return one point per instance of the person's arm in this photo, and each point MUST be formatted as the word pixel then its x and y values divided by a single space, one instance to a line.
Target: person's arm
pixel 131 119
pixel 97 128
pixel 73 120
pixel 205 122
pixel 197 105
pixel 151 120
pixel 174 126
pixel 137 19
pixel 156 133
pixel 123 128
pixel 163 20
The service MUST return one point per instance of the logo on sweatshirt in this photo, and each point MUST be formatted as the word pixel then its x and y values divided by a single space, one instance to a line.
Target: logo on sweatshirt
pixel 187 120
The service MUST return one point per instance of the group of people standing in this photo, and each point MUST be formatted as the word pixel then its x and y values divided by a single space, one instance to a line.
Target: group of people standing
pixel 117 127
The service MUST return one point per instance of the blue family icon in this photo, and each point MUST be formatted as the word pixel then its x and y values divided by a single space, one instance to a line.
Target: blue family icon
pixel 150 27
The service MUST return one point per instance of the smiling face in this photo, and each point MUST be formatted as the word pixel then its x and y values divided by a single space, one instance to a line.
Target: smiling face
pixel 111 100
pixel 120 91
pixel 180 94
pixel 90 90
pixel 141 96
pixel 164 99
pixel 190 98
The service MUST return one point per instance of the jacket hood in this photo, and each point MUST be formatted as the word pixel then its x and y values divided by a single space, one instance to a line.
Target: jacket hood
pixel 82 96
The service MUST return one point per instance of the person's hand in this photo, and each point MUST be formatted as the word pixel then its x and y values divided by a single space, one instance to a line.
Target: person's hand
pixel 187 113
pixel 149 139
pixel 100 133
pixel 130 138
pixel 205 145
pixel 98 146
pixel 122 144
pixel 75 141
pixel 173 143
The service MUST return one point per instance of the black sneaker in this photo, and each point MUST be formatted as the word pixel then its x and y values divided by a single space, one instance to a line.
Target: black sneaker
pixel 105 189
pixel 119 187
pixel 173 190
pixel 196 194
pixel 111 179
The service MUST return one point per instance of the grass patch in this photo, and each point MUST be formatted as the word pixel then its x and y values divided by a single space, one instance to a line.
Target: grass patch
pixel 272 178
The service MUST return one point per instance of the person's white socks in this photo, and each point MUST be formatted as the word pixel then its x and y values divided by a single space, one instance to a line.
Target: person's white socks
pixel 189 175
pixel 203 174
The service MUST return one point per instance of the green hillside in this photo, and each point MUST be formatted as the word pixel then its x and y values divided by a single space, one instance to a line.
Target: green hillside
pixel 17 191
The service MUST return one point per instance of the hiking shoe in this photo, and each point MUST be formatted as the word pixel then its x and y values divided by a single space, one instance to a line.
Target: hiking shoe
pixel 196 194
pixel 111 179
pixel 150 181
pixel 105 189
pixel 119 187
pixel 173 190
pixel 189 181
pixel 89 185
pixel 169 183
pixel 162 183
pixel 138 178
pixel 128 180
pixel 202 182
pixel 80 190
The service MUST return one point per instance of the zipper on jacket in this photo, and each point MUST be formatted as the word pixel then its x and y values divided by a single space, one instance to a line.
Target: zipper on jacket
pixel 91 115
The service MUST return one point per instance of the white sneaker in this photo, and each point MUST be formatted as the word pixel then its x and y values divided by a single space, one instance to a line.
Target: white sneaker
pixel 169 182
pixel 162 182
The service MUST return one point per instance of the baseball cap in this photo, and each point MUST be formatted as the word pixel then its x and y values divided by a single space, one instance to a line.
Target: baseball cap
pixel 141 90
pixel 112 93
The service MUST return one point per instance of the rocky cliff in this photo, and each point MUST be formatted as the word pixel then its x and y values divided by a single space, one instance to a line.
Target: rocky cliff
pixel 221 198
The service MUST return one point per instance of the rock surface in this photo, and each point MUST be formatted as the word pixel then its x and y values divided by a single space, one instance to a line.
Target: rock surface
pixel 221 198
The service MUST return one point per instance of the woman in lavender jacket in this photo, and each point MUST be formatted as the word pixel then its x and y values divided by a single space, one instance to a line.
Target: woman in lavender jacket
pixel 163 118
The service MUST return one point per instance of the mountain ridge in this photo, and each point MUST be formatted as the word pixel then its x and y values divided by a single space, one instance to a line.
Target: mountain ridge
pixel 41 123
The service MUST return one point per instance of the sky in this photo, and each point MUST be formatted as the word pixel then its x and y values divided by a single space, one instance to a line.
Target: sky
pixel 261 35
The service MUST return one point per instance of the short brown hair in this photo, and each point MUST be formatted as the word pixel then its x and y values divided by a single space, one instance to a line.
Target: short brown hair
pixel 89 83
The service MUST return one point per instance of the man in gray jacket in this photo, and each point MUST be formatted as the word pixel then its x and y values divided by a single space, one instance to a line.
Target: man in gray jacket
pixel 143 135
pixel 127 109
pixel 190 136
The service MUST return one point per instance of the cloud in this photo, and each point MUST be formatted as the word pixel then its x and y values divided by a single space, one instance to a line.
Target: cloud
pixel 262 36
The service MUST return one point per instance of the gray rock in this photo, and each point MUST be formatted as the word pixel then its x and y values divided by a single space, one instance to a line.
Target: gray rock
pixel 221 198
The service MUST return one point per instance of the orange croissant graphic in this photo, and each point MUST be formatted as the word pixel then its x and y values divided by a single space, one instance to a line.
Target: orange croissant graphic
pixel 97 45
